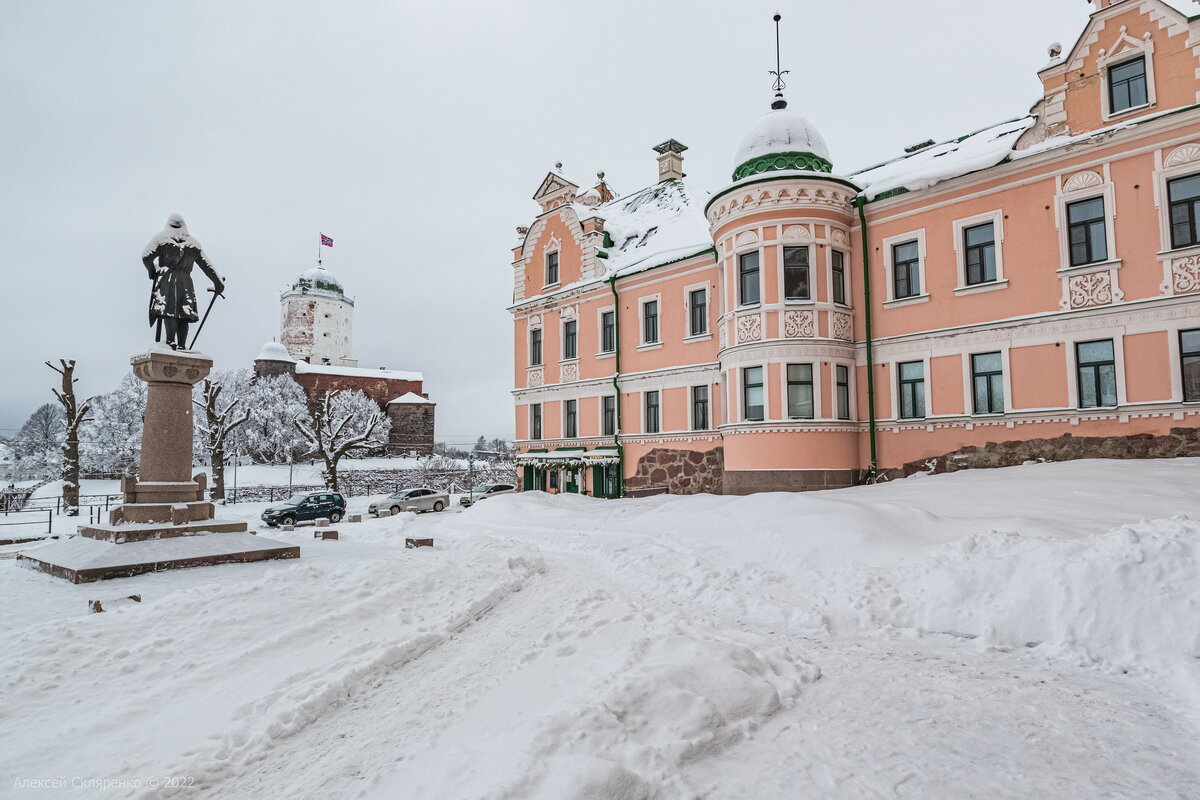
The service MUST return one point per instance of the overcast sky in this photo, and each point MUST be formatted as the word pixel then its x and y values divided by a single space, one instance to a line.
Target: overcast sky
pixel 415 134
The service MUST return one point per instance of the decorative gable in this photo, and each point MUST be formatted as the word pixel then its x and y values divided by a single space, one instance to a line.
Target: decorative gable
pixel 555 190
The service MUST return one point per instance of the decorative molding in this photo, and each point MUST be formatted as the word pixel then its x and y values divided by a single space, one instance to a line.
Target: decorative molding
pixel 774 162
pixel 723 335
pixel 797 233
pixel 840 327
pixel 799 324
pixel 745 237
pixel 839 237
pixel 1090 290
pixel 570 373
pixel 1082 180
pixel 535 378
pixel 567 313
pixel 1185 275
pixel 749 328
pixel 535 321
pixel 1184 154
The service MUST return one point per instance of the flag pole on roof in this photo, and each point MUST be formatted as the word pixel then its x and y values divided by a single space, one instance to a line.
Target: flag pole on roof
pixel 778 72
pixel 326 241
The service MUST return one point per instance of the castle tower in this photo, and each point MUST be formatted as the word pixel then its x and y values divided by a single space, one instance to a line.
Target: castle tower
pixel 317 320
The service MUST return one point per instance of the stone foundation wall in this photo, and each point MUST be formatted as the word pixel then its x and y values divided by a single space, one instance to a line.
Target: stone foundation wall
pixel 1180 442
pixel 679 471
pixel 789 480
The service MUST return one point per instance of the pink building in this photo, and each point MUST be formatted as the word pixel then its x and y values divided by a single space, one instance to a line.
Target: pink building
pixel 1027 291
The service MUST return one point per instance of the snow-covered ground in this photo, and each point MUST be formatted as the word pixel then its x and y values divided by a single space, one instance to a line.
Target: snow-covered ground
pixel 1028 632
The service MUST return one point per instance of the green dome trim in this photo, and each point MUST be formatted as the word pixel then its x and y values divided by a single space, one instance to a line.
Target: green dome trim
pixel 773 162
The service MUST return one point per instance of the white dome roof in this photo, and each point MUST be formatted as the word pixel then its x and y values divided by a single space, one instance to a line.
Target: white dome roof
pixel 273 351
pixel 320 278
pixel 781 131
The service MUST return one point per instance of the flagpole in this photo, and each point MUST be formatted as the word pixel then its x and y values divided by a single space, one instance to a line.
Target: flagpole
pixel 319 246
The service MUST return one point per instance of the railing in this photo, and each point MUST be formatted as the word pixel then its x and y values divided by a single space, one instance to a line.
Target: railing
pixel 43 515
pixel 360 483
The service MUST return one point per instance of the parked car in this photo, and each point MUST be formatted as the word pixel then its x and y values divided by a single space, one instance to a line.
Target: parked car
pixel 485 491
pixel 421 499
pixel 306 505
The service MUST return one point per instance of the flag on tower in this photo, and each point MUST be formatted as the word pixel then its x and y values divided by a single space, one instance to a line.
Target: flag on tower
pixel 326 240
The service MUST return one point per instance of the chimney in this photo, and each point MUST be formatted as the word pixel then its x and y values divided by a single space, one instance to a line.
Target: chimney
pixel 670 160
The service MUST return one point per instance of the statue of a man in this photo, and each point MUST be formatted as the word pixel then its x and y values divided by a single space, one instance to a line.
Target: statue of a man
pixel 173 298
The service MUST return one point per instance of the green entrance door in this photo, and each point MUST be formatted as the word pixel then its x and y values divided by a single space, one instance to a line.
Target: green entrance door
pixel 571 477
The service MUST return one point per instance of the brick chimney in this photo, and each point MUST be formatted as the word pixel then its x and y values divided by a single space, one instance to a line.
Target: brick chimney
pixel 670 160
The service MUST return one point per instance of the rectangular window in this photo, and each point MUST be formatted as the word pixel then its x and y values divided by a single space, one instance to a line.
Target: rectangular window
pixel 1184 196
pixel 570 418
pixel 1127 85
pixel 535 347
pixel 1097 373
pixel 979 244
pixel 748 278
pixel 912 389
pixel 906 270
pixel 535 421
pixel 570 339
pixel 987 377
pixel 551 269
pixel 839 277
pixel 1086 231
pixel 800 391
pixel 608 416
pixel 752 394
pixel 650 321
pixel 699 408
pixel 608 332
pixel 652 418
pixel 1189 360
pixel 795 273
pixel 843 391
pixel 697 312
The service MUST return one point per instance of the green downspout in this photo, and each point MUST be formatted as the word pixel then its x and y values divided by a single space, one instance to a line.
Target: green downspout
pixel 860 203
pixel 612 284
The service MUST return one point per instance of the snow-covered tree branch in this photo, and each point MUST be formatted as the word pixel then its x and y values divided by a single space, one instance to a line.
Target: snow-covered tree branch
pixel 217 422
pixel 343 423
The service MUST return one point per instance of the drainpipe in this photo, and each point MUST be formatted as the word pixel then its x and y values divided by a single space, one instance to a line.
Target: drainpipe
pixel 860 203
pixel 612 284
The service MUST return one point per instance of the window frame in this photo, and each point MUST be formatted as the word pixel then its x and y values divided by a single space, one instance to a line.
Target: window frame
pixel 888 246
pixel 607 414
pixel 689 309
pixel 535 422
pixel 1087 224
pixel 837 278
pixel 647 417
pixel 1110 84
pixel 1183 355
pixel 961 226
pixel 552 261
pixel 739 273
pixel 600 331
pixel 746 386
pixel 570 339
pixel 570 418
pixel 536 347
pixel 694 406
pixel 811 383
pixel 902 382
pixel 838 387
pixel 1193 207
pixel 806 270
pixel 998 375
pixel 1095 365
pixel 656 299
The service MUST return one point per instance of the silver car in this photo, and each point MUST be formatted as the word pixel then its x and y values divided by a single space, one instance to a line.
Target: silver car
pixel 421 499
pixel 485 491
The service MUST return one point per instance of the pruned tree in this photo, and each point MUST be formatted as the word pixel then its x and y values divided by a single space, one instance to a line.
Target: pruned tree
pixel 343 423
pixel 218 421
pixel 75 414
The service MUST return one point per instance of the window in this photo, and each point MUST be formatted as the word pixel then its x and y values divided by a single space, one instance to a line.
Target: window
pixel 906 274
pixel 1127 85
pixel 535 421
pixel 570 339
pixel 748 279
pixel 570 418
pixel 1189 361
pixel 697 312
pixel 838 288
pixel 979 245
pixel 699 408
pixel 652 407
pixel 650 322
pixel 843 391
pixel 608 331
pixel 1184 196
pixel 800 391
pixel 1097 373
pixel 752 394
pixel 535 347
pixel 912 389
pixel 608 416
pixel 987 377
pixel 795 273
pixel 1086 232
pixel 551 269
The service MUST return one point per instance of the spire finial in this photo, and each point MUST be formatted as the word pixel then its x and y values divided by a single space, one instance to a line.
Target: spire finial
pixel 778 72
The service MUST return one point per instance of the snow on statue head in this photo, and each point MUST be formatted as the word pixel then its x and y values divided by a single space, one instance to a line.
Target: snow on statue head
pixel 175 232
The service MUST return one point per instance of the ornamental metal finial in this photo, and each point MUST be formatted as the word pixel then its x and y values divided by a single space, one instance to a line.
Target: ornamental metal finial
pixel 778 85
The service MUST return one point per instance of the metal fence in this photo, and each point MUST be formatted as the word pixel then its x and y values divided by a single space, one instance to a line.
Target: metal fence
pixel 360 483
pixel 25 525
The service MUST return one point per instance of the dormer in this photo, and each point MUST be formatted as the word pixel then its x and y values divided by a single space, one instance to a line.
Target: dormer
pixel 556 190
pixel 1133 59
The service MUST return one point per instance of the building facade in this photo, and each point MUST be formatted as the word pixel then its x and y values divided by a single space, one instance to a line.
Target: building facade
pixel 1027 291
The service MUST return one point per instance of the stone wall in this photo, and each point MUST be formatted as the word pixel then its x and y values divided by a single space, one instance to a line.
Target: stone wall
pixel 412 428
pixel 679 471
pixel 789 480
pixel 1178 443
pixel 381 390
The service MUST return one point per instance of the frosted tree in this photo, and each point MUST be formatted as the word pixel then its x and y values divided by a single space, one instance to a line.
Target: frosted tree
pixel 37 447
pixel 74 415
pixel 270 435
pixel 343 423
pixel 113 441
pixel 218 418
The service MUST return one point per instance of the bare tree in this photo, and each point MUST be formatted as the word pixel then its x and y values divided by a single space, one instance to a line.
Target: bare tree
pixel 342 423
pixel 75 415
pixel 219 421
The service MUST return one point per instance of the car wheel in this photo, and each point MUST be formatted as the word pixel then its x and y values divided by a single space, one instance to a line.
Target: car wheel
pixel 335 517
pixel 439 505
pixel 395 509
pixel 287 521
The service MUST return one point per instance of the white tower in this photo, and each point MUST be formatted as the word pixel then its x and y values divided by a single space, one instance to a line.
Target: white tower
pixel 317 320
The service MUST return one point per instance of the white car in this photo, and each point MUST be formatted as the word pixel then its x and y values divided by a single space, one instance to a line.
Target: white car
pixel 485 491
pixel 420 499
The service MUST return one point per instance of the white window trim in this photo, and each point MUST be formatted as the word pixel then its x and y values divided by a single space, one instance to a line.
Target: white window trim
pixel 738 252
pixel 1176 354
pixel 846 277
pixel 1062 199
pixel 660 411
pixel 691 407
pixel 960 251
pixel 812 274
pixel 687 313
pixel 562 345
pixel 600 416
pixel 1162 198
pixel 815 366
pixel 851 377
pixel 529 346
pixel 969 380
pixel 741 392
pixel 600 332
pixel 542 433
pixel 566 435
pixel 1118 343
pixel 895 368
pixel 642 301
pixel 1106 62
pixel 551 249
pixel 888 244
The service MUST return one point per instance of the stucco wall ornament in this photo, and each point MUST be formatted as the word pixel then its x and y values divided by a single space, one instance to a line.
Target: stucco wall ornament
pixel 746 237
pixel 1185 275
pixel 570 373
pixel 749 328
pixel 797 233
pixel 798 324
pixel 1185 154
pixel 1089 291
pixel 536 378
pixel 840 326
pixel 1082 180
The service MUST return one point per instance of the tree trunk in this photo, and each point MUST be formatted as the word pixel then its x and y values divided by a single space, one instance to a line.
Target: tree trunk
pixel 76 415
pixel 217 492
pixel 70 474
pixel 331 475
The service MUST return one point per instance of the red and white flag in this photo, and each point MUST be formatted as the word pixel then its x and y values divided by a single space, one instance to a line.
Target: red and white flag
pixel 326 240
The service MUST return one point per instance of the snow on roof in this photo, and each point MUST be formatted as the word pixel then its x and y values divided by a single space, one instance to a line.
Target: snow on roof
pixel 781 131
pixel 651 227
pixel 318 278
pixel 941 162
pixel 410 399
pixel 303 367
pixel 273 351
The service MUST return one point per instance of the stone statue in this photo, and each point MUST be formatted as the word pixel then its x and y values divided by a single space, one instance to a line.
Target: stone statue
pixel 172 297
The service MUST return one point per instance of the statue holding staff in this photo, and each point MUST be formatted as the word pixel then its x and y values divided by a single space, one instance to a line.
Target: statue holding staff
pixel 173 297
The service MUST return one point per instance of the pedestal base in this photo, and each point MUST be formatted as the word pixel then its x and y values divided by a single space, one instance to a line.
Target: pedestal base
pixel 83 559
pixel 121 534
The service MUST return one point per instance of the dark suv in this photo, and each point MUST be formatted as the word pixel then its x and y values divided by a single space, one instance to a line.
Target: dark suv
pixel 306 505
